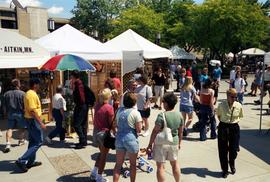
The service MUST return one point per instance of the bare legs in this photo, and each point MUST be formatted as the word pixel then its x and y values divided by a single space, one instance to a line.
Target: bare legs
pixel 101 159
pixel 187 119
pixel 161 171
pixel 22 133
pixel 120 157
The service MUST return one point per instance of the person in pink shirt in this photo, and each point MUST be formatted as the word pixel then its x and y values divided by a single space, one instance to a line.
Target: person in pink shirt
pixel 103 119
pixel 116 81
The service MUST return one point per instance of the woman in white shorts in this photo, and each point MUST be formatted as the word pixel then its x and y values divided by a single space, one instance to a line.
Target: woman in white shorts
pixel 162 153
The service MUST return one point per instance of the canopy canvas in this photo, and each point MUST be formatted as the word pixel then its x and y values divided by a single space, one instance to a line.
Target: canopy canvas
pixel 252 52
pixel 214 62
pixel 17 51
pixel 180 53
pixel 136 48
pixel 69 40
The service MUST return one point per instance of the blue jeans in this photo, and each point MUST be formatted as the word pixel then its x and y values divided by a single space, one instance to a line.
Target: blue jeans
pixel 207 115
pixel 16 120
pixel 58 122
pixel 240 97
pixel 35 137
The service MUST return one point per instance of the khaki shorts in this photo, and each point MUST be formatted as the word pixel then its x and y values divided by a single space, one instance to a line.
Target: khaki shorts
pixel 161 153
pixel 98 137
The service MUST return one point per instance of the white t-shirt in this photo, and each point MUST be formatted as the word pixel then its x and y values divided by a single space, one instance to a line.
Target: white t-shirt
pixel 58 102
pixel 143 92
pixel 232 75
pixel 133 118
pixel 239 84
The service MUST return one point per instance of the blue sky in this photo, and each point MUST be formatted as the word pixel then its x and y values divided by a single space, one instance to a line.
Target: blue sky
pixel 58 8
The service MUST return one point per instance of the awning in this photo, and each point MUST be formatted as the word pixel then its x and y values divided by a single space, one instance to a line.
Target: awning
pixel 17 51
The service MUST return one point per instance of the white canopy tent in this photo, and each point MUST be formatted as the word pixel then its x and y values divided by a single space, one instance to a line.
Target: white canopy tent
pixel 17 51
pixel 252 52
pixel 180 53
pixel 68 40
pixel 214 62
pixel 135 49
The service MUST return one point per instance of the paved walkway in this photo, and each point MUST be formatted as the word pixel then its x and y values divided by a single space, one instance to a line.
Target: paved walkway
pixel 199 160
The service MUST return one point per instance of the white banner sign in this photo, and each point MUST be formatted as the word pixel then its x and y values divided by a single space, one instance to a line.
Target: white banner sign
pixel 267 58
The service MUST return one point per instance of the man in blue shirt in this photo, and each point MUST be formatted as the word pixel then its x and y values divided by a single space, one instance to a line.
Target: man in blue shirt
pixel 217 72
pixel 204 76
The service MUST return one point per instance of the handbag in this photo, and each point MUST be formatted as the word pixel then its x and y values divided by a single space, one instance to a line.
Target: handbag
pixel 164 137
pixel 109 140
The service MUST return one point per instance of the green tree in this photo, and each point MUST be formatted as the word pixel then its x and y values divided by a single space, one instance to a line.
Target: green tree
pixel 179 20
pixel 141 19
pixel 96 15
pixel 230 25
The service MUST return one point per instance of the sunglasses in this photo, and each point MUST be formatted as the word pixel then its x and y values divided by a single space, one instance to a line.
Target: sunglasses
pixel 233 97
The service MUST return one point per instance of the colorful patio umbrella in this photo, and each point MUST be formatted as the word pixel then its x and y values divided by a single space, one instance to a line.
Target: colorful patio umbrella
pixel 67 62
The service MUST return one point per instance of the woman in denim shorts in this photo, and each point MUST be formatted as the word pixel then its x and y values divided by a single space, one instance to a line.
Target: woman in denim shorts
pixel 128 123
pixel 187 95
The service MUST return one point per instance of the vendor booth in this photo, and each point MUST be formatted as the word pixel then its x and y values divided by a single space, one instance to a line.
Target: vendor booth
pixel 180 54
pixel 250 58
pixel 68 40
pixel 20 58
pixel 137 51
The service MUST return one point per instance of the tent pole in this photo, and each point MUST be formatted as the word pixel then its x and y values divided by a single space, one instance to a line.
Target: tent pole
pixel 262 95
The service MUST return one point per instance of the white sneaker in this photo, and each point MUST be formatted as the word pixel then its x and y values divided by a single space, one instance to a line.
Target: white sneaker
pixel 99 178
pixel 146 133
pixel 22 142
pixel 48 140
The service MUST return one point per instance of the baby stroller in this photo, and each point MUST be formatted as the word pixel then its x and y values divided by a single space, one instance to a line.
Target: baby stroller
pixel 197 126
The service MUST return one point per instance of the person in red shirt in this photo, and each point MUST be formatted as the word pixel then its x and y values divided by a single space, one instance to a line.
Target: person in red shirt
pixel 116 81
pixel 188 72
pixel 103 120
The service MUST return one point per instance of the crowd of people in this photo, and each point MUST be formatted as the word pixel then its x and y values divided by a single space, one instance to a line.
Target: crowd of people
pixel 126 116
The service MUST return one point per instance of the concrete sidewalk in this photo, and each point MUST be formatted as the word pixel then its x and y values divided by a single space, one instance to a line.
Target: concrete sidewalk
pixel 199 160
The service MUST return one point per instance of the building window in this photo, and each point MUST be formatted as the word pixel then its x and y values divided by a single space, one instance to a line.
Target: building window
pixel 8 24
pixel 8 14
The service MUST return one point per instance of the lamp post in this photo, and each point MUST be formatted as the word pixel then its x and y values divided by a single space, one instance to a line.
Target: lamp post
pixel 158 39
pixel 51 24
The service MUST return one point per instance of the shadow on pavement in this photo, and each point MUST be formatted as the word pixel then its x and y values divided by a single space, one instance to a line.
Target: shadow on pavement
pixel 9 166
pixel 76 177
pixel 192 139
pixel 110 157
pixel 3 146
pixel 201 172
pixel 257 143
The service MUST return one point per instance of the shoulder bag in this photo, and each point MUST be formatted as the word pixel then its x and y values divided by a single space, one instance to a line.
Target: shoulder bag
pixel 109 140
pixel 164 137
